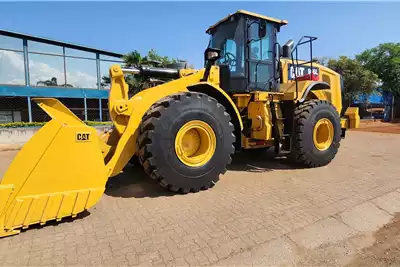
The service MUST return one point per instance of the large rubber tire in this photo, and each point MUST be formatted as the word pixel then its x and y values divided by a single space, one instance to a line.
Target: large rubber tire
pixel 157 141
pixel 306 116
pixel 134 160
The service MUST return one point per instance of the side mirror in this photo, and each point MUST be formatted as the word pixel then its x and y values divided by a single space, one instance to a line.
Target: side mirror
pixel 212 54
pixel 262 29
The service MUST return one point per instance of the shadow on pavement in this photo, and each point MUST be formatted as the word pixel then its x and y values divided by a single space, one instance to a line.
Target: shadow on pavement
pixel 134 182
pixel 53 222
pixel 260 160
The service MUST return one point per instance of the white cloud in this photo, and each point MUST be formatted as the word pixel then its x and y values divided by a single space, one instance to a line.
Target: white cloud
pixel 12 70
pixel 81 79
pixel 11 67
pixel 16 81
pixel 39 71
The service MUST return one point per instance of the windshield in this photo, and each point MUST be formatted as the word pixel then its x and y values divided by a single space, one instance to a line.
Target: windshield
pixel 228 37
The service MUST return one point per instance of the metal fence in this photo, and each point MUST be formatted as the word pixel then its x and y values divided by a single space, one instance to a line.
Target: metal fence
pixel 23 109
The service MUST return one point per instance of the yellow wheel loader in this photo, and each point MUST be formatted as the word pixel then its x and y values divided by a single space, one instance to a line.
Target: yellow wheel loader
pixel 252 93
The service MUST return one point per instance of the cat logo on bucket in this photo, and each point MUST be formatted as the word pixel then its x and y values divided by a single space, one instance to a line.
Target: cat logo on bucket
pixel 82 137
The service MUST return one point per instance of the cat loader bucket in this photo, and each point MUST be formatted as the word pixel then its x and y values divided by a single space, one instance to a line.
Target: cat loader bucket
pixel 63 169
pixel 60 172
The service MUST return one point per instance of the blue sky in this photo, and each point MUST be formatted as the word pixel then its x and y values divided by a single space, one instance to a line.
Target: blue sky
pixel 177 29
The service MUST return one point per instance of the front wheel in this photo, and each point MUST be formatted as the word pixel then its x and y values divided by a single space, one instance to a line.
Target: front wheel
pixel 186 141
pixel 316 136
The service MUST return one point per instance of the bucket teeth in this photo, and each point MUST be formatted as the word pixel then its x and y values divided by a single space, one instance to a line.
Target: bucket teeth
pixel 43 208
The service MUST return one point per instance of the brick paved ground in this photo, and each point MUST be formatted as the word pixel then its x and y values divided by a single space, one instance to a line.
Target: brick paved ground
pixel 262 212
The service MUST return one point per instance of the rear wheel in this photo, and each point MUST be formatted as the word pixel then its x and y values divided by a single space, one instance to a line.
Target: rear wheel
pixel 186 141
pixel 317 132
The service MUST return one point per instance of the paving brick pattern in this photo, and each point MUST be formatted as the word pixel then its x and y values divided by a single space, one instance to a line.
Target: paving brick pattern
pixel 257 201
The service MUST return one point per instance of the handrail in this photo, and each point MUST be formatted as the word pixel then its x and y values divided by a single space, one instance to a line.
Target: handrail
pixel 310 39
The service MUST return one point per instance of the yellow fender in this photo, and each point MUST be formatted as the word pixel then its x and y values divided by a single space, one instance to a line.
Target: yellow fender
pixel 127 113
pixel 222 97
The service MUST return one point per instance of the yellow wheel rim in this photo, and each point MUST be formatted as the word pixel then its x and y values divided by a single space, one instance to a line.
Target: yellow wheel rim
pixel 195 143
pixel 323 134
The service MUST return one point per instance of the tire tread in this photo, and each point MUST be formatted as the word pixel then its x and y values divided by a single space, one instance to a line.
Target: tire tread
pixel 302 113
pixel 149 123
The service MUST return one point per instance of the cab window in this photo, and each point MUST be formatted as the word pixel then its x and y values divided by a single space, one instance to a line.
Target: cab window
pixel 232 55
pixel 261 57
pixel 260 49
pixel 229 37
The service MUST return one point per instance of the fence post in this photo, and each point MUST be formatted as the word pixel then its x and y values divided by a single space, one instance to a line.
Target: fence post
pixel 98 71
pixel 26 62
pixel 85 105
pixel 27 78
pixel 100 110
pixel 99 83
pixel 29 109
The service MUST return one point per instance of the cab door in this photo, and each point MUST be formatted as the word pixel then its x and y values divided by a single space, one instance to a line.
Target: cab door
pixel 261 63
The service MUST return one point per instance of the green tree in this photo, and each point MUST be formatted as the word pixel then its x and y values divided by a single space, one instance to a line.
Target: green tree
pixel 135 59
pixel 135 82
pixel 105 81
pixel 322 60
pixel 357 80
pixel 384 60
pixel 153 56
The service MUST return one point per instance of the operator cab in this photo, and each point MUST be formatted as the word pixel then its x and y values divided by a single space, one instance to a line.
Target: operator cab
pixel 248 51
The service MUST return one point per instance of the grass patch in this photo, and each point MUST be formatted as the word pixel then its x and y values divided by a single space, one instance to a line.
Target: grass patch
pixel 40 124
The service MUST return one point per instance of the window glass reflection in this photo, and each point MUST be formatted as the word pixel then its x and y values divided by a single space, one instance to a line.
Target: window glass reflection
pixel 104 73
pixel 81 73
pixel 116 59
pixel 46 70
pixel 44 48
pixel 7 42
pixel 79 53
pixel 261 70
pixel 12 68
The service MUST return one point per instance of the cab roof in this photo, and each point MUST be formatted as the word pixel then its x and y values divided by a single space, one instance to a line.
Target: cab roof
pixel 251 14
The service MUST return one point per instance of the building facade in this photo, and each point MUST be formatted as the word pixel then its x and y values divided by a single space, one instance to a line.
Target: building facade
pixel 32 67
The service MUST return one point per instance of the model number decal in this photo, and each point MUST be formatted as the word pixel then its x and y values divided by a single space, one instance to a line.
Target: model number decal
pixel 300 71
